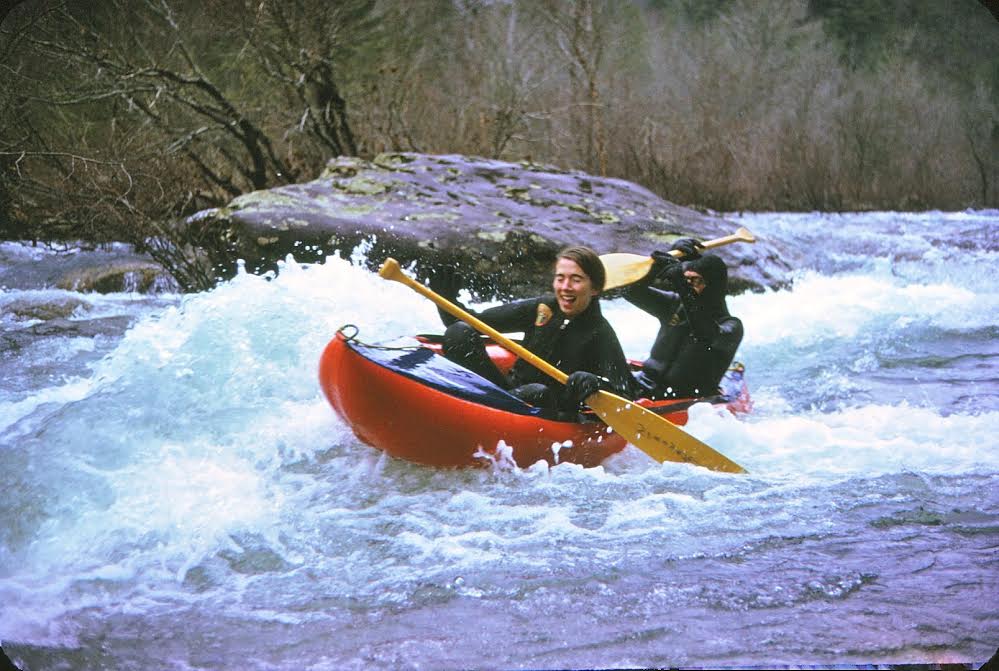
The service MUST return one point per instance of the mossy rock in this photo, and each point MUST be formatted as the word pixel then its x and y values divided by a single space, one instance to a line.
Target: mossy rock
pixel 138 277
pixel 500 222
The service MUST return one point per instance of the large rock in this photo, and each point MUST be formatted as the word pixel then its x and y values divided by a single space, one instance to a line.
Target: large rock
pixel 500 223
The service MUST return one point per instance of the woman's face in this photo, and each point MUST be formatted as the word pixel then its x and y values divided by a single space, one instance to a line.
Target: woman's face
pixel 573 288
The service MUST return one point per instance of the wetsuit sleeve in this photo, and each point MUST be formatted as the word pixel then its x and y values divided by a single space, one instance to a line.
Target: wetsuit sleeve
pixel 446 282
pixel 660 304
pixel 611 363
pixel 728 336
pixel 447 318
pixel 516 316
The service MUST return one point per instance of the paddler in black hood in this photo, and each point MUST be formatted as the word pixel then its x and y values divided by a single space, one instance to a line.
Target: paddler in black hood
pixel 697 337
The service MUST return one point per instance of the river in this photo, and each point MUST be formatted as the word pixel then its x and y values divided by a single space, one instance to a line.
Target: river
pixel 177 493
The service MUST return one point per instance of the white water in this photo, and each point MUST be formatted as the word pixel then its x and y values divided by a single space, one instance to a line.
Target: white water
pixel 183 497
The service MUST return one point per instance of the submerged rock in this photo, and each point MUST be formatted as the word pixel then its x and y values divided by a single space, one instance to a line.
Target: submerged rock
pixel 56 307
pixel 82 267
pixel 499 223
pixel 128 276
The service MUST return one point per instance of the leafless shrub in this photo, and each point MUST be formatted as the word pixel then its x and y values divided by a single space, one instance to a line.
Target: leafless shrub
pixel 117 129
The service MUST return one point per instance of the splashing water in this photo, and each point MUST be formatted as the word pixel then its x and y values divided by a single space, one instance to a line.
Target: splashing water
pixel 178 494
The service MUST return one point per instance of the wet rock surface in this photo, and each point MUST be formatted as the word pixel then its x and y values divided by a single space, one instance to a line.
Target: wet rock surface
pixel 499 223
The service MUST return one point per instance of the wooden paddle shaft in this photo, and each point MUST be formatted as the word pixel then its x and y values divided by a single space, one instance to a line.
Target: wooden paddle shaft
pixel 741 235
pixel 391 270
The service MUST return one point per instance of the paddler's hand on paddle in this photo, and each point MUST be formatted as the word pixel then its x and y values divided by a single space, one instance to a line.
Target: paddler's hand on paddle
pixel 662 262
pixel 689 247
pixel 673 276
pixel 580 386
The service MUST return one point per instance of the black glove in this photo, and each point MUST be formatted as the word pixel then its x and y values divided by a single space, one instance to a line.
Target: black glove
pixel 580 386
pixel 690 247
pixel 446 281
pixel 661 263
pixel 674 276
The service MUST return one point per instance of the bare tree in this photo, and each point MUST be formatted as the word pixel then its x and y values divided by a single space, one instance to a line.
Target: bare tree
pixel 579 31
pixel 6 6
pixel 117 129
pixel 508 72
pixel 301 44
pixel 119 118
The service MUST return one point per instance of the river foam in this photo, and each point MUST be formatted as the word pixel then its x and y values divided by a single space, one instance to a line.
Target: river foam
pixel 189 479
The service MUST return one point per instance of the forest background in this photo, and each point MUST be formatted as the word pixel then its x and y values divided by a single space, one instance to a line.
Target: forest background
pixel 119 118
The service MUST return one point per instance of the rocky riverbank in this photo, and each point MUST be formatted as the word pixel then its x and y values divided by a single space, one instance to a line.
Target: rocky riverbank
pixel 499 223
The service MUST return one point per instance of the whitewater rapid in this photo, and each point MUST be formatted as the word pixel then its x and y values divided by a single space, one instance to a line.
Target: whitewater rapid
pixel 178 493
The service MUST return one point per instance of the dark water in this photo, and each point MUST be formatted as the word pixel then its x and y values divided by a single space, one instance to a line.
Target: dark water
pixel 178 494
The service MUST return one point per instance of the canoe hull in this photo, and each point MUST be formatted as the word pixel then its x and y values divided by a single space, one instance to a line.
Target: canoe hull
pixel 409 419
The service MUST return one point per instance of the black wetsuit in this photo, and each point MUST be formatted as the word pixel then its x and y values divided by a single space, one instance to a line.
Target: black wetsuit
pixel 697 337
pixel 585 342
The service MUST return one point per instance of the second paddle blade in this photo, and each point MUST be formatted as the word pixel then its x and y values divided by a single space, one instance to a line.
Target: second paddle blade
pixel 658 437
pixel 624 269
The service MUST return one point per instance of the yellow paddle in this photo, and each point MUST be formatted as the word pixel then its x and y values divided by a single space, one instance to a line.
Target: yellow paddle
pixel 623 268
pixel 654 435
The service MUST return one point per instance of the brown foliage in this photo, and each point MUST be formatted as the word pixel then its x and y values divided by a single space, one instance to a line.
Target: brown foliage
pixel 112 128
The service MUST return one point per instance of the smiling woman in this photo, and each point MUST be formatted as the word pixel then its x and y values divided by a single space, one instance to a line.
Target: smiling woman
pixel 565 328
pixel 579 277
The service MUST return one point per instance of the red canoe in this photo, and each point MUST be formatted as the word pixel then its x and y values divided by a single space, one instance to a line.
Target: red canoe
pixel 416 405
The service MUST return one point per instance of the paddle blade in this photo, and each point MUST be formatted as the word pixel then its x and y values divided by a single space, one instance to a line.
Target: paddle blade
pixel 623 268
pixel 657 437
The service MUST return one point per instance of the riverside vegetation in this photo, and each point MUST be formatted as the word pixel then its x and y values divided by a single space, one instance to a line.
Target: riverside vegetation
pixel 121 119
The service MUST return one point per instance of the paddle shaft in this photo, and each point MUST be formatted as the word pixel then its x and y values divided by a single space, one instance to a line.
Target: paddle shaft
pixel 741 235
pixel 390 270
